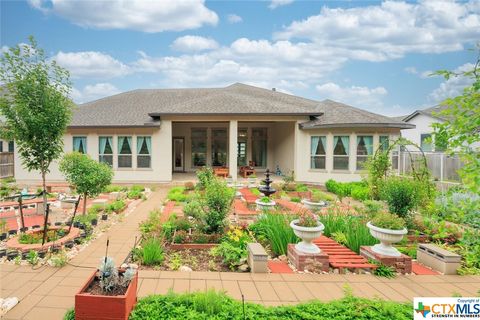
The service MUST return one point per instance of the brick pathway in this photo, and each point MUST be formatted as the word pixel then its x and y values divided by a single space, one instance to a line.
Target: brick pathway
pixel 47 293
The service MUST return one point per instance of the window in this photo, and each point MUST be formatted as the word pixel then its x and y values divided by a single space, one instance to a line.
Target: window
pixel 341 152
pixel 80 144
pixel 124 152
pixel 259 147
pixel 242 147
pixel 426 142
pixel 1 146
pixel 364 150
pixel 105 150
pixel 383 143
pixel 144 151
pixel 199 147
pixel 219 147
pixel 317 152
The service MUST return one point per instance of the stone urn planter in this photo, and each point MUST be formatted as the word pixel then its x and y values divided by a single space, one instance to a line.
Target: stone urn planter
pixel 307 234
pixel 265 205
pixel 103 307
pixel 312 205
pixel 386 238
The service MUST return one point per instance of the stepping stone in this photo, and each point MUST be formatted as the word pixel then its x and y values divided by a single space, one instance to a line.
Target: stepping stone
pixel 420 269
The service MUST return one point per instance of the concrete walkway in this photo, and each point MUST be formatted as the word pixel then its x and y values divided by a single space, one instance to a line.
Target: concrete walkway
pixel 47 293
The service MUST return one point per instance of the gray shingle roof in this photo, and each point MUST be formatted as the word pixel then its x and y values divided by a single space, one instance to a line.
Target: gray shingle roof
pixel 137 107
pixel 339 115
pixel 431 112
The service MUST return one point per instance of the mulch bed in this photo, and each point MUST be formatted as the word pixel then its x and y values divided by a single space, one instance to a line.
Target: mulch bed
pixel 196 259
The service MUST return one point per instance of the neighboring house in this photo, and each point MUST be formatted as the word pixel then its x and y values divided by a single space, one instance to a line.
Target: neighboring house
pixel 422 133
pixel 149 135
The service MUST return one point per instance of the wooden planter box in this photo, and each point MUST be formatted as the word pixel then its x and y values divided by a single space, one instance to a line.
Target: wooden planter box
pixel 99 307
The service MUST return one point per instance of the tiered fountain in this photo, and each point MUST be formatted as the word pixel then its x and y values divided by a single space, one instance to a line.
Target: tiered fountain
pixel 266 203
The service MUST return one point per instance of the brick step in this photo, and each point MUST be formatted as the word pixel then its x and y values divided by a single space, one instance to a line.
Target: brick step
pixel 352 255
pixel 353 265
pixel 337 250
pixel 349 260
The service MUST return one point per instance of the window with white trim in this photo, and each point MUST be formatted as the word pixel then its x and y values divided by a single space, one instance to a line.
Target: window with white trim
pixel 124 151
pixel 105 150
pixel 80 144
pixel 318 146
pixel 219 147
pixel 426 142
pixel 341 152
pixel 384 143
pixel 144 151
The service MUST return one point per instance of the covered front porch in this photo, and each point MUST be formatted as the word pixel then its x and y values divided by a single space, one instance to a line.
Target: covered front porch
pixel 259 144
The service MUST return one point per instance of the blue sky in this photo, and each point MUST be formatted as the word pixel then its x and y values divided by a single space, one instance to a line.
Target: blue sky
pixel 373 55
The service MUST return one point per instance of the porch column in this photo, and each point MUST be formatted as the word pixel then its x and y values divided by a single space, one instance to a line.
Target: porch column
pixel 232 149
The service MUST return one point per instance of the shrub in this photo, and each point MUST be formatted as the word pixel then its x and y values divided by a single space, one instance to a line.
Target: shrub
pixel 387 220
pixel 372 207
pixel 152 252
pixel 301 187
pixel 274 228
pixel 400 195
pixel 177 194
pixel 255 191
pixel 194 209
pixel 180 236
pixel 151 225
pixel 205 176
pixel 114 188
pixel 290 186
pixel 189 186
pixel 183 224
pixel 116 206
pixel 295 199
pixel 218 199
pixel 322 195
pixel 233 247
pixel 70 315
pixel 360 193
pixel 201 305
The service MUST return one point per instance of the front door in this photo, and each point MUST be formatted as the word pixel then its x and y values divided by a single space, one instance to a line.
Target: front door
pixel 178 154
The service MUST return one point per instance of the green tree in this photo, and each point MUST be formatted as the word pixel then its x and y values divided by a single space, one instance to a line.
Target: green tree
pixel 35 105
pixel 89 177
pixel 461 127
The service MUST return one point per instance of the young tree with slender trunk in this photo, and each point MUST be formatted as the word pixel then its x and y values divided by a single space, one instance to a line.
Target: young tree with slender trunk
pixel 87 176
pixel 36 107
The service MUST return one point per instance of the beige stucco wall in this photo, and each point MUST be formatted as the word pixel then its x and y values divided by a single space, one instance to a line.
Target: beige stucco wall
pixel 284 146
pixel 161 162
pixel 302 153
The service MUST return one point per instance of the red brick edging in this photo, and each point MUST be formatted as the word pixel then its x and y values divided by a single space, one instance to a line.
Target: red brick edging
pixel 13 243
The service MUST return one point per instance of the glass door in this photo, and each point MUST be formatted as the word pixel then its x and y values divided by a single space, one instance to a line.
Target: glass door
pixel 179 154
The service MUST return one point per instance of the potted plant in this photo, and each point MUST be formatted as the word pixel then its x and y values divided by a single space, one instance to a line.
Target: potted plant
pixel 315 202
pixel 307 227
pixel 109 293
pixel 265 203
pixel 387 228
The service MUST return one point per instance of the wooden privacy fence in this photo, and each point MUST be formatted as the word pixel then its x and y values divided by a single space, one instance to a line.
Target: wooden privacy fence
pixel 6 165
pixel 442 167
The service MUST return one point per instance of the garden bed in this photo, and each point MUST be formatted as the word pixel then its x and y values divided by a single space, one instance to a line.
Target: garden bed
pixel 14 243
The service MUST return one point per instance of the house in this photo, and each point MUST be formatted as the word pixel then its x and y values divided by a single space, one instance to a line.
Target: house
pixel 422 133
pixel 148 136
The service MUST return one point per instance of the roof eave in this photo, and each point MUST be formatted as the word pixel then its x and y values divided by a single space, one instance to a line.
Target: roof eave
pixel 159 114
pixel 358 125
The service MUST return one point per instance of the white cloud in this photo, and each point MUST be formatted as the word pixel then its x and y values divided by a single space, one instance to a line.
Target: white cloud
pixel 411 70
pixel 278 3
pixel 140 15
pixel 233 18
pixel 363 97
pixel 452 87
pixel 193 43
pixel 392 29
pixel 91 64
pixel 94 92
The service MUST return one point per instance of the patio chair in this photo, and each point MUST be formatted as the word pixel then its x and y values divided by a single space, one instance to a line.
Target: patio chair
pixel 249 170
